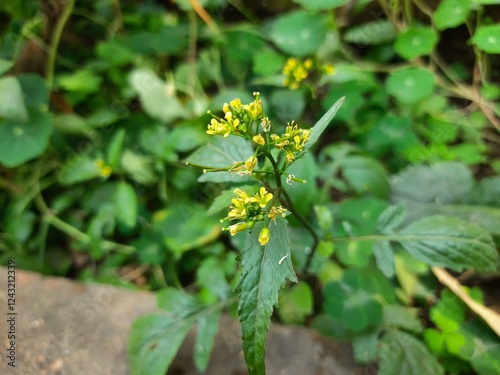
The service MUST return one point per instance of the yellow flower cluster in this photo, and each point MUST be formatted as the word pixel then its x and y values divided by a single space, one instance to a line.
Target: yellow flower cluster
pixel 104 170
pixel 244 168
pixel 250 209
pixel 237 117
pixel 295 71
pixel 292 141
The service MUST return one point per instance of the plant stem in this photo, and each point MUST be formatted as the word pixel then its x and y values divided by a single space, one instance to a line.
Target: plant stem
pixel 54 43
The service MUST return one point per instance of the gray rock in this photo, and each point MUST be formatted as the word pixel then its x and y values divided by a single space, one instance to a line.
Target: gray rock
pixel 68 328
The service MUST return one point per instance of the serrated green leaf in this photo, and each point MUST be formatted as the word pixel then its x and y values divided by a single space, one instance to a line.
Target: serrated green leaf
pixel 486 361
pixel 365 347
pixel 384 258
pixel 154 341
pixel 391 218
pixel 415 41
pixel 322 123
pixel 401 353
pixel 402 317
pixel 126 205
pixel 207 328
pixel 222 153
pixel 451 13
pixel 487 38
pixel 449 242
pixel 12 106
pixel 264 270
pixel 371 33
pixel 299 33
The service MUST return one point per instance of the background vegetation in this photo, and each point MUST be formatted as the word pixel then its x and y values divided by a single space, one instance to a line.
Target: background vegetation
pixel 103 101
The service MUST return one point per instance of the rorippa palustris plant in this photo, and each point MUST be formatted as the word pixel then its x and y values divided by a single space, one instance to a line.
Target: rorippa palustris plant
pixel 266 258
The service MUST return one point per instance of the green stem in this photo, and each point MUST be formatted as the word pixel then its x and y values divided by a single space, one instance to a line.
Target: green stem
pixel 54 43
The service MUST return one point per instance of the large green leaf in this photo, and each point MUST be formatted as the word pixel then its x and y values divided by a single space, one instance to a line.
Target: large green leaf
pixel 451 13
pixel 208 325
pixel 366 176
pixel 449 242
pixel 416 41
pixel 299 33
pixel 222 153
pixel 401 353
pixel 20 142
pixel 487 38
pixel 323 122
pixel 154 341
pixel 264 271
pixel 157 98
pixel 410 85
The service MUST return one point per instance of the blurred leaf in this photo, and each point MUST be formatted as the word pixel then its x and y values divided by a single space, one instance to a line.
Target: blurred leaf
pixel 149 249
pixel 12 107
pixel 114 52
pixel 157 98
pixel 487 38
pixel 208 326
pixel 267 62
pixel 402 317
pixel 486 361
pixel 449 242
pixel 365 347
pixel 35 89
pixel 451 13
pixel 384 258
pixel 184 227
pixel 5 65
pixel 415 41
pixel 115 148
pixel 295 304
pixel 82 80
pixel 299 33
pixel 391 218
pixel 402 353
pixel 410 85
pixel 264 270
pixel 320 4
pixel 137 166
pixel 371 33
pixel 288 105
pixel 126 205
pixel 438 183
pixel 303 195
pixel 210 275
pixel 366 176
pixel 20 142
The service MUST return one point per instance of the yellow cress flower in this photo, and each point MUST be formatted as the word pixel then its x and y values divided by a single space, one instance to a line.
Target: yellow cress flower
pixel 264 236
pixel 259 139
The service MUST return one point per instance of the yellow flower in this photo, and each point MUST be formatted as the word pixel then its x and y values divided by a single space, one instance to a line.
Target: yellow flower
pixel 259 139
pixel 277 211
pixel 104 170
pixel 328 68
pixel 264 236
pixel 263 197
pixel 266 124
pixel 239 227
pixel 250 164
pixel 254 109
pixel 236 104
pixel 218 128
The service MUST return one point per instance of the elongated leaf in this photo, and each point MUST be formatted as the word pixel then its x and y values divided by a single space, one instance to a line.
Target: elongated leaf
pixel 323 122
pixel 12 106
pixel 126 205
pixel 384 258
pixel 401 353
pixel 208 326
pixel 265 269
pixel 449 242
pixel 154 341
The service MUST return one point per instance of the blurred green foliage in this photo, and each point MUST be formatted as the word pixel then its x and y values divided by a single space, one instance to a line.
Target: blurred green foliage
pixel 101 103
